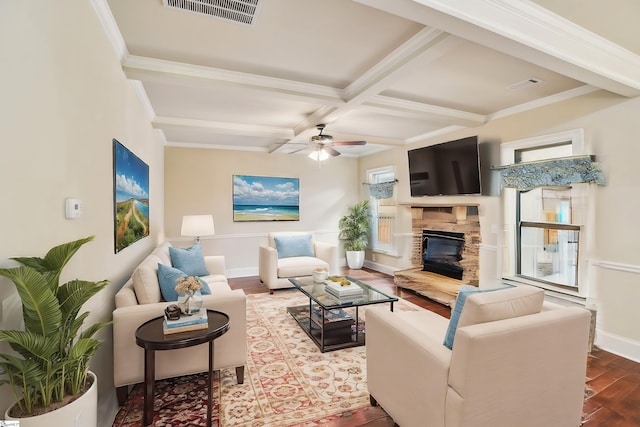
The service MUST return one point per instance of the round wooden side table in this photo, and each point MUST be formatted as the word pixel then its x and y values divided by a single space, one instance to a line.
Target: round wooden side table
pixel 151 337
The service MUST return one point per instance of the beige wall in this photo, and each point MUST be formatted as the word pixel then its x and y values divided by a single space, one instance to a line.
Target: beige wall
pixel 64 97
pixel 199 181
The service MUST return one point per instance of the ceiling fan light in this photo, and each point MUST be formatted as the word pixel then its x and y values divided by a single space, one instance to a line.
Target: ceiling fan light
pixel 319 155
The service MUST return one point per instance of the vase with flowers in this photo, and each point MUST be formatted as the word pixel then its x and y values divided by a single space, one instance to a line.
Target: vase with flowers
pixel 189 297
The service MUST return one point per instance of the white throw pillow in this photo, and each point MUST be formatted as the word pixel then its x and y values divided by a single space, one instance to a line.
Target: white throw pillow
pixel 145 281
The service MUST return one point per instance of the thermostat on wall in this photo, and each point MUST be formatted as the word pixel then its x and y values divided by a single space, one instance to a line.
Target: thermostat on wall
pixel 73 208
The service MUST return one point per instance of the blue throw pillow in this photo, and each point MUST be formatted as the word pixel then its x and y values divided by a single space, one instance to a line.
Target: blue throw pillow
pixel 167 277
pixel 463 293
pixel 297 245
pixel 189 260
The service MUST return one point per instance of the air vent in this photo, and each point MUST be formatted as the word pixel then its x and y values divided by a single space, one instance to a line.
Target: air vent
pixel 241 11
pixel 525 83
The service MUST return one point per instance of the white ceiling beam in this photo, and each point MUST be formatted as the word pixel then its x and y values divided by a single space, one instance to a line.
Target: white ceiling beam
pixel 165 123
pixel 417 110
pixel 377 78
pixel 158 70
pixel 525 30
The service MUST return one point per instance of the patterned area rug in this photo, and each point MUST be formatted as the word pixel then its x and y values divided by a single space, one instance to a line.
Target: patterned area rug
pixel 288 382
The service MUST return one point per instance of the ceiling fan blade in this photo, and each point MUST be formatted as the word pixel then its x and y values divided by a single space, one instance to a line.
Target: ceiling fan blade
pixel 338 143
pixel 331 151
pixel 299 149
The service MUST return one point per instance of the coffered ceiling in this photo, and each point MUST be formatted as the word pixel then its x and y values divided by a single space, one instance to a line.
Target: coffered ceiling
pixel 391 72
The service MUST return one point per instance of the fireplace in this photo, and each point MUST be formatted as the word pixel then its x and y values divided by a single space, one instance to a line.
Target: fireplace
pixel 442 252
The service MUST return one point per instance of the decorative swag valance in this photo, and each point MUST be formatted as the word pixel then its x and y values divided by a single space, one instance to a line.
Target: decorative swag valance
pixel 383 190
pixel 552 172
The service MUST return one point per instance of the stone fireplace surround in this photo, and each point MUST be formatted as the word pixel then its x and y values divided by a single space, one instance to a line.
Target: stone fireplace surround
pixel 460 218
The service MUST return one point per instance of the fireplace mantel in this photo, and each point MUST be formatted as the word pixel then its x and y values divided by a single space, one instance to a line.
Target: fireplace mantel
pixel 456 217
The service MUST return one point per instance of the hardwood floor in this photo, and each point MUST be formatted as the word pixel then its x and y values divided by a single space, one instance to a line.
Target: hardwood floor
pixel 613 383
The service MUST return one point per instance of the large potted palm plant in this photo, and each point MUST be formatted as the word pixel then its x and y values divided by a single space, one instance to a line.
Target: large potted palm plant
pixel 50 367
pixel 354 230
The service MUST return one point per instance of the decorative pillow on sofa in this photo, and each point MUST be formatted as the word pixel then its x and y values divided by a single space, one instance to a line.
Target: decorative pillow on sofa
pixel 513 301
pixel 295 245
pixel 162 252
pixel 167 277
pixel 463 293
pixel 489 306
pixel 145 280
pixel 189 260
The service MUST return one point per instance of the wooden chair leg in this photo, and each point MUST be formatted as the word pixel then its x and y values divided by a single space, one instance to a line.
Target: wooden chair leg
pixel 122 393
pixel 240 374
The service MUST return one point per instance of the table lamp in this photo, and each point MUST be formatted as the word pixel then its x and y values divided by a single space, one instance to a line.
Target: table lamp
pixel 197 225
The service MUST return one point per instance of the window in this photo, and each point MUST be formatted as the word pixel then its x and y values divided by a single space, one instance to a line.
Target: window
pixel 383 212
pixel 545 225
pixel 548 238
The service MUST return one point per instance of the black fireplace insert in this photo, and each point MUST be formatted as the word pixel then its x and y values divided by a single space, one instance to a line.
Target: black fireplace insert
pixel 442 252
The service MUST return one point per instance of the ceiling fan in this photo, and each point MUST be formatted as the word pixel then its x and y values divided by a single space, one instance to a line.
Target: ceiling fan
pixel 325 143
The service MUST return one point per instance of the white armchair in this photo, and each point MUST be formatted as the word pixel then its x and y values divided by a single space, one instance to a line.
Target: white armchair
pixel 513 362
pixel 294 254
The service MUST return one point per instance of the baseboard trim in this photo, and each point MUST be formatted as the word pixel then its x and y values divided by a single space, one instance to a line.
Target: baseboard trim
pixel 380 267
pixel 234 273
pixel 616 344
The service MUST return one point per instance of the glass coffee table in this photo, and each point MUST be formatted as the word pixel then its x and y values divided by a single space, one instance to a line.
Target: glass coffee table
pixel 332 322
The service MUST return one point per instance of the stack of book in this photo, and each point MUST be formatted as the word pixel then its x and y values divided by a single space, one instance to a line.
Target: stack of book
pixel 186 323
pixel 351 291
pixel 333 319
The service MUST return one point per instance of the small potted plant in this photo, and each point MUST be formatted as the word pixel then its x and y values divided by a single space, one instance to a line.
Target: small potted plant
pixel 354 230
pixel 51 364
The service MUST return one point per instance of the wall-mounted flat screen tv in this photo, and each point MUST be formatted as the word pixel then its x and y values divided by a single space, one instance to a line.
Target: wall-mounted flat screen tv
pixel 447 169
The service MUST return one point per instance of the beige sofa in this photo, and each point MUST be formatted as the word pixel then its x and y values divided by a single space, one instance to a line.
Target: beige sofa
pixel 140 299
pixel 275 270
pixel 515 361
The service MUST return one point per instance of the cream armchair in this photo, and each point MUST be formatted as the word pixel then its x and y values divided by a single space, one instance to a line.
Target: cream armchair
pixel 514 362
pixel 294 254
pixel 139 300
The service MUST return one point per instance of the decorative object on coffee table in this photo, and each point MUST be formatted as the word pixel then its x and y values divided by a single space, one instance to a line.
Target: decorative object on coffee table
pixel 319 275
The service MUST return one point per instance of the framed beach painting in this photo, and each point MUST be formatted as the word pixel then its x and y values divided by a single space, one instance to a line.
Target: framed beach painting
pixel 265 198
pixel 130 197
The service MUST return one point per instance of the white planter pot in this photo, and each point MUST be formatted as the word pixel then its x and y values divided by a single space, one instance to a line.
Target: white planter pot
pixel 82 412
pixel 355 259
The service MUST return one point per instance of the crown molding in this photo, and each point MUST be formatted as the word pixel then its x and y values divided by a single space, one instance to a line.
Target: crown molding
pixel 110 27
pixel 215 147
pixel 425 111
pixel 541 102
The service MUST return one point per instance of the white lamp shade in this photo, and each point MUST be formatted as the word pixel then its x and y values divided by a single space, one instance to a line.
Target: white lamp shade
pixel 197 225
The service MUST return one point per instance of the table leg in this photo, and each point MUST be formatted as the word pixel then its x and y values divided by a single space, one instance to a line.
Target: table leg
pixel 210 381
pixel 149 383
